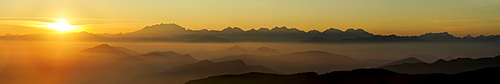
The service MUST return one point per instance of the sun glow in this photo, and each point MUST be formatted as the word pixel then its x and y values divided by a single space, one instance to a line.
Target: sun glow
pixel 61 25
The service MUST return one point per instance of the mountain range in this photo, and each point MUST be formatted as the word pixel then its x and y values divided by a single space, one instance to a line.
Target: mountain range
pixel 175 33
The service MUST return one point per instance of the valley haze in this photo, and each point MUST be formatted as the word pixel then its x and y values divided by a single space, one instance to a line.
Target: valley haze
pixel 249 42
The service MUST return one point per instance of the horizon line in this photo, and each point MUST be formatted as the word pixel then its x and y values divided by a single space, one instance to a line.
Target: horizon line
pixel 257 29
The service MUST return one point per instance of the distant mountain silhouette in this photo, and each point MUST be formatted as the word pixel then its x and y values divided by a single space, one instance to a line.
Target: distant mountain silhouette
pixel 106 49
pixel 298 62
pixel 358 76
pixel 424 57
pixel 234 48
pixel 382 38
pixel 442 66
pixel 428 37
pixel 409 60
pixel 265 51
pixel 175 33
pixel 201 69
pixel 445 36
pixel 158 30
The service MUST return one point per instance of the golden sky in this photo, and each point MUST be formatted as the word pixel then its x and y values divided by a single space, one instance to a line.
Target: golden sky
pixel 401 17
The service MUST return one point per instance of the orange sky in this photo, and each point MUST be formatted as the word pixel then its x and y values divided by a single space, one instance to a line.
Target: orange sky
pixel 401 17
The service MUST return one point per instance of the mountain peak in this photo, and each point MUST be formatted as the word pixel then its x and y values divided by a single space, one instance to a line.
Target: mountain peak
pixel 103 46
pixel 100 48
pixel 314 32
pixel 350 30
pixel 206 61
pixel 160 29
pixel 440 61
pixel 263 30
pixel 263 49
pixel 468 36
pixel 165 26
pixel 409 60
pixel 333 31
pixel 107 49
pixel 235 47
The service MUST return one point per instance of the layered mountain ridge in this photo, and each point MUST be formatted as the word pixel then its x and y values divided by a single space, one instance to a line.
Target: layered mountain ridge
pixel 175 33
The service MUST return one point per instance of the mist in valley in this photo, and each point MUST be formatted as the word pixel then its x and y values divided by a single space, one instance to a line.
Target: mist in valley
pixel 176 62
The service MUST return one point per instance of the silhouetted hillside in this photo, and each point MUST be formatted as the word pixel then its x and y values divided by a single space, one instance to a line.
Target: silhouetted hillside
pixel 298 62
pixel 358 76
pixel 200 69
pixel 442 66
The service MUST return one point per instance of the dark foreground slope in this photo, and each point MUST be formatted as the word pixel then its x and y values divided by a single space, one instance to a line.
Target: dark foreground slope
pixel 442 66
pixel 358 76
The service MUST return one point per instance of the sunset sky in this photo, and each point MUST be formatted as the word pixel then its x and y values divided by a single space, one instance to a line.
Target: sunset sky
pixel 401 17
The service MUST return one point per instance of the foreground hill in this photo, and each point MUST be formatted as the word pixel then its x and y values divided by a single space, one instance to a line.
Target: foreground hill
pixel 358 76
pixel 442 66
pixel 298 62
pixel 181 74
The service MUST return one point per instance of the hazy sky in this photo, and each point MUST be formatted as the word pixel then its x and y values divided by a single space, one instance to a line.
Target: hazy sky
pixel 401 17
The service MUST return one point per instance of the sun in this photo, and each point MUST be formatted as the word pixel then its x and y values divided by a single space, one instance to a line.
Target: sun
pixel 61 25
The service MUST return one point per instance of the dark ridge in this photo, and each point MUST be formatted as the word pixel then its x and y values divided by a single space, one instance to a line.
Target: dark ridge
pixel 449 67
pixel 358 76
